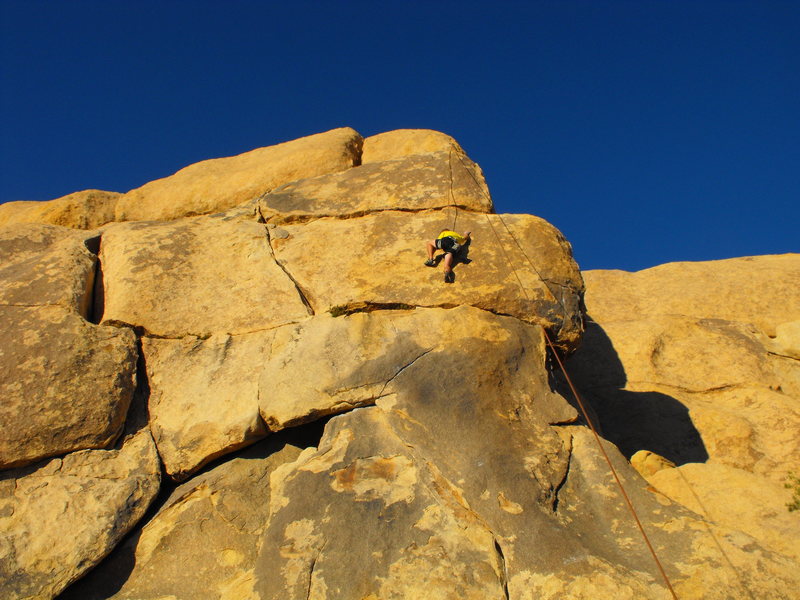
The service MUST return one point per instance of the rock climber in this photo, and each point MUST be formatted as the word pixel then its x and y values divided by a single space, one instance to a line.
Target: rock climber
pixel 452 243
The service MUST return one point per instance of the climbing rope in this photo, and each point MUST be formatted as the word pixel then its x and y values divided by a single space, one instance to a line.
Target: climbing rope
pixel 572 388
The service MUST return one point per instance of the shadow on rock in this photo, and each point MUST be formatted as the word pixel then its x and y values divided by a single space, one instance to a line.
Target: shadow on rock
pixel 632 420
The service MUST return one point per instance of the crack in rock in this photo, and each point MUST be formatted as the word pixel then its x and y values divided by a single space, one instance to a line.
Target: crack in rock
pixel 297 286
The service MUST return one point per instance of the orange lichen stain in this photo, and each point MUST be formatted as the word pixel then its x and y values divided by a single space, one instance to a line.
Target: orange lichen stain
pixel 389 478
pixel 346 478
pixel 383 468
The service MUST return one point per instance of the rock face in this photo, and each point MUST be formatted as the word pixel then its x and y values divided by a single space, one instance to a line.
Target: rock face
pixel 344 424
pixel 406 142
pixel 61 517
pixel 416 182
pixel 204 396
pixel 88 209
pixel 195 277
pixel 46 266
pixel 66 384
pixel 212 525
pixel 693 364
pixel 389 272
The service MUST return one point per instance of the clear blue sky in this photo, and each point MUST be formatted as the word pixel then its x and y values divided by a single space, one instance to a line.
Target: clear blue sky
pixel 648 132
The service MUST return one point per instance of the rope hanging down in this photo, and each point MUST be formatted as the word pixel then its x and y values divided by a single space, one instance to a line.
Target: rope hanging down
pixel 572 388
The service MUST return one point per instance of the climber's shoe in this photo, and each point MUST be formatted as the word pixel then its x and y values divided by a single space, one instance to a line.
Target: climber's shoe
pixel 430 263
pixel 449 277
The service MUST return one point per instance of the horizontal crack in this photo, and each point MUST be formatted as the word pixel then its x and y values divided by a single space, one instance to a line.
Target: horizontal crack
pixel 779 355
pixel 284 219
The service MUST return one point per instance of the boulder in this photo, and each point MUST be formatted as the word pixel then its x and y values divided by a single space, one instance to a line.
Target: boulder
pixel 787 340
pixel 412 183
pixel 715 492
pixel 203 541
pixel 406 142
pixel 204 396
pixel 709 386
pixel 88 209
pixel 61 517
pixel 66 384
pixel 221 183
pixel 761 290
pixel 46 265
pixel 377 260
pixel 647 463
pixel 196 276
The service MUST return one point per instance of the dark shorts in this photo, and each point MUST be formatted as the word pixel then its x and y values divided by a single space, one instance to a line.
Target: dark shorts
pixel 447 244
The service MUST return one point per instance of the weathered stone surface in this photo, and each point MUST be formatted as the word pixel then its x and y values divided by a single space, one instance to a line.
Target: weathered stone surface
pixel 363 517
pixel 703 560
pixel 715 492
pixel 66 384
pixel 378 259
pixel 417 182
pixel 761 290
pixel 45 264
pixel 458 487
pixel 61 517
pixel 204 396
pixel 456 470
pixel 328 365
pixel 221 183
pixel 696 388
pixel 406 142
pixel 195 276
pixel 678 361
pixel 787 340
pixel 87 209
pixel 647 463
pixel 203 541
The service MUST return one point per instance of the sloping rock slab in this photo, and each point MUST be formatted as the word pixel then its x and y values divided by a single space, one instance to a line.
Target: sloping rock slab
pixel 221 183
pixel 378 260
pixel 60 518
pixel 204 396
pixel 456 483
pixel 363 517
pixel 45 264
pixel 195 277
pixel 717 492
pixel 406 142
pixel 329 365
pixel 417 182
pixel 702 559
pixel 88 209
pixel 203 541
pixel 66 384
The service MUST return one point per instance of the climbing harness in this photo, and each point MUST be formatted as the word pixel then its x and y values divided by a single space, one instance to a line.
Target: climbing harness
pixel 555 354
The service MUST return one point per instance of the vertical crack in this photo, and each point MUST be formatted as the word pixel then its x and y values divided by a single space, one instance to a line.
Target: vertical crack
pixel 564 479
pixel 297 286
pixel 311 571
pixel 502 559
pixel 95 298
